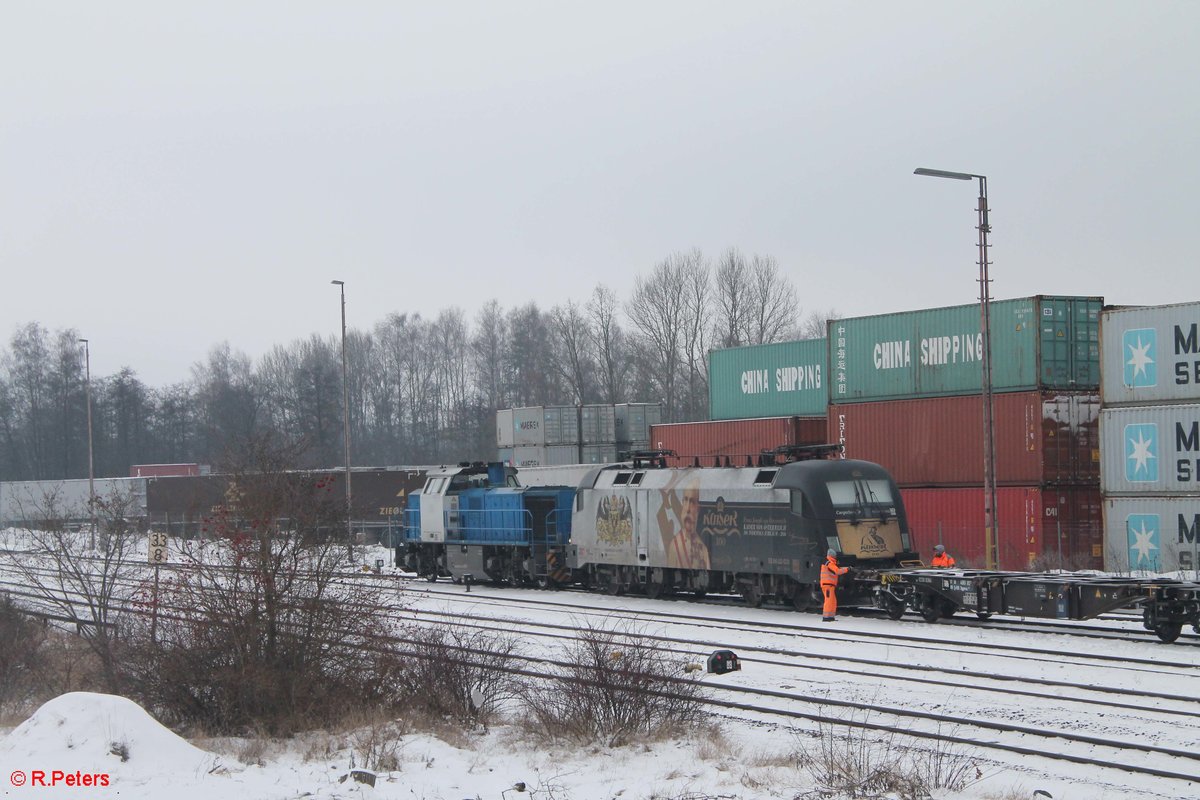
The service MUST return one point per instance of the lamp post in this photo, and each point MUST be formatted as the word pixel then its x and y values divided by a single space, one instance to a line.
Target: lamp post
pixel 87 360
pixel 990 533
pixel 346 421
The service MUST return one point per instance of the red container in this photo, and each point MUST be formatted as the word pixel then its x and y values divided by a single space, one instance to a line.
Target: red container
pixel 1041 438
pixel 163 470
pixel 1035 525
pixel 737 439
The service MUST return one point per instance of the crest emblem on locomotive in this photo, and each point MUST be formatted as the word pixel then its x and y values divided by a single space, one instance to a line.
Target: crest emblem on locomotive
pixel 872 542
pixel 614 520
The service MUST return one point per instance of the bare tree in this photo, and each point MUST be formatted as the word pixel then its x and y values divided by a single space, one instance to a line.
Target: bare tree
pixel 664 310
pixel 608 344
pixel 774 307
pixel 573 358
pixel 813 326
pixel 732 299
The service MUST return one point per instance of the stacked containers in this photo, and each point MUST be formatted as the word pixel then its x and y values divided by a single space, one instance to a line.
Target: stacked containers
pixel 1150 438
pixel 739 441
pixel 632 424
pixel 905 391
pixel 598 434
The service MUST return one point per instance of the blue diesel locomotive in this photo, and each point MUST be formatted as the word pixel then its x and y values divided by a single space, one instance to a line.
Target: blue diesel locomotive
pixel 760 531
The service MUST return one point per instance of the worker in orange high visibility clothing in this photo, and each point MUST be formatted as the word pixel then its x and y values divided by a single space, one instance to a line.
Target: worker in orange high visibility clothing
pixel 941 558
pixel 829 581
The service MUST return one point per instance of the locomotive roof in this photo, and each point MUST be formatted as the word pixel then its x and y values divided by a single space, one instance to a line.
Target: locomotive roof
pixel 792 475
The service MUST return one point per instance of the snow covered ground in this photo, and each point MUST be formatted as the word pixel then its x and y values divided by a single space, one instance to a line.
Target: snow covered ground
pixel 99 746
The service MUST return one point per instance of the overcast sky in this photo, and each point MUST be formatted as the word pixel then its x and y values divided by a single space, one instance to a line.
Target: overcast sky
pixel 172 177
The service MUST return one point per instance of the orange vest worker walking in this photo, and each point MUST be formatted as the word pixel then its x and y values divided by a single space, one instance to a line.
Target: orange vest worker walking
pixel 829 580
pixel 941 558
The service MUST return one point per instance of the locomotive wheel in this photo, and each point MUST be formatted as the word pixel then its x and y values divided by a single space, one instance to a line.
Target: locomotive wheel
pixel 614 586
pixel 983 614
pixel 1168 631
pixel 431 577
pixel 931 612
pixel 542 581
pixel 895 609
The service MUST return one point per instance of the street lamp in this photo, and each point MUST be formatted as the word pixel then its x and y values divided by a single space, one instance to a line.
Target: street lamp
pixel 87 360
pixel 990 534
pixel 346 421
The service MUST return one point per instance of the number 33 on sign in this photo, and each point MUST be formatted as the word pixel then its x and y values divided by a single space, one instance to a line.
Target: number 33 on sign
pixel 156 548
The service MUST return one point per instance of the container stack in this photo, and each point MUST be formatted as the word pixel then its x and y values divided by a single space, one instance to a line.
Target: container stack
pixel 598 429
pixel 739 441
pixel 550 436
pixel 633 421
pixel 906 391
pixel 1150 438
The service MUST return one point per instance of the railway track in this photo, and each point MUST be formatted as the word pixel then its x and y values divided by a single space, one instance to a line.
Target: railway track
pixel 797 672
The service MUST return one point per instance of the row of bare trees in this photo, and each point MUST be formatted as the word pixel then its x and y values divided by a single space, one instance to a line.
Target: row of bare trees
pixel 421 389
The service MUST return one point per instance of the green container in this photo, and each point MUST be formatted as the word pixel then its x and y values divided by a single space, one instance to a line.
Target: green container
pixel 768 380
pixel 1038 342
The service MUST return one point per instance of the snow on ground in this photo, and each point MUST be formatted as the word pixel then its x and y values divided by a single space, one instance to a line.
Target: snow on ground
pixel 90 734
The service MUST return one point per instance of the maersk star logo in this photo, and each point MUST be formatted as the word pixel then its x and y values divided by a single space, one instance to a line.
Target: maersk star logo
pixel 1143 541
pixel 1140 349
pixel 1141 453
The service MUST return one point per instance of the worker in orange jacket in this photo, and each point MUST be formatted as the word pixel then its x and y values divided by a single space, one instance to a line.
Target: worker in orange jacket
pixel 941 558
pixel 829 581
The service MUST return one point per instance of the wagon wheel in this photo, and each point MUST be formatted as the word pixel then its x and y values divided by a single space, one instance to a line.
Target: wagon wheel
pixel 803 598
pixel 983 614
pixel 752 595
pixel 894 609
pixel 1168 631
pixel 947 608
pixel 931 611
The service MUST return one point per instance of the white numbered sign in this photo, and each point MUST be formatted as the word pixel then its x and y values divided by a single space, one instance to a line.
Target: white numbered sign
pixel 156 549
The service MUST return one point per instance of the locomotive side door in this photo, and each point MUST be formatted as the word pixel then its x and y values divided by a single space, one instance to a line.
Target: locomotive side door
pixel 641 527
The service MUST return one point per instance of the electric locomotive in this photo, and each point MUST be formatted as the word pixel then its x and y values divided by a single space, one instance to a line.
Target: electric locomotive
pixel 761 531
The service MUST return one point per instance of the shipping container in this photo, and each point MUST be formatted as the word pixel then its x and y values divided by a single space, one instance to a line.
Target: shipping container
pixel 1152 450
pixel 1037 342
pixel 598 454
pixel 184 505
pixel 597 424
pixel 1040 437
pixel 768 380
pixel 504 455
pixel 1150 355
pixel 545 456
pixel 504 427
pixel 633 420
pixel 566 475
pixel 1036 525
pixel 562 425
pixel 38 502
pixel 1152 534
pixel 738 440
pixel 162 470
pixel 529 426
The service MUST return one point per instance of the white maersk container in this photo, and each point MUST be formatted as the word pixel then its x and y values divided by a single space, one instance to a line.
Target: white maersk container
pixel 504 428
pixel 1151 534
pixel 1150 450
pixel 562 425
pixel 529 426
pixel 1150 355
pixel 35 501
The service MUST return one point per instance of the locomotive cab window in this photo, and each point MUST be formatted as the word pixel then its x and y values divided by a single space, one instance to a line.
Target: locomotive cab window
pixel 801 505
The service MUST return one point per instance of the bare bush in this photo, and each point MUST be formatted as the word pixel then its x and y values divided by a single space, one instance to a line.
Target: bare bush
pixel 80 576
pixel 1055 562
pixel 613 688
pixel 261 631
pixel 23 658
pixel 850 759
pixel 457 672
